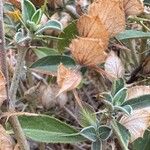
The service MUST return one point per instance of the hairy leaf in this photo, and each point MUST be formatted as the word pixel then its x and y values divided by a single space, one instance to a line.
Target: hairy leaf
pixel 49 130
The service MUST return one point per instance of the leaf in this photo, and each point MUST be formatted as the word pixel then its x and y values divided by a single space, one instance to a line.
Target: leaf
pixel 45 51
pixel 127 109
pixel 67 35
pixel 137 122
pixel 87 116
pixel 97 145
pixel 138 102
pixel 49 64
pixel 133 7
pixel 67 79
pixel 89 133
pixel 19 38
pixel 6 142
pixel 132 34
pixel 137 91
pixel 104 132
pixel 120 97
pixel 111 14
pixel 2 88
pixel 107 96
pixel 116 86
pixel 50 129
pixel 28 10
pixel 122 134
pixel 88 51
pixel 49 25
pixel 114 66
pixel 142 143
pixel 92 27
pixel 36 18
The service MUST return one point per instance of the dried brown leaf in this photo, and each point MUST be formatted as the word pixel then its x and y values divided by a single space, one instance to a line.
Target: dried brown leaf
pixel 88 51
pixel 48 96
pixel 111 14
pixel 137 91
pixel 114 66
pixel 2 88
pixel 67 79
pixel 133 7
pixel 92 27
pixel 6 142
pixel 137 122
pixel 45 95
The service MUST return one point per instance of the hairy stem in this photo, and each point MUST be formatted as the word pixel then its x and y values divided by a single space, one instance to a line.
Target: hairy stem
pixel 12 93
pixel 13 90
pixel 17 73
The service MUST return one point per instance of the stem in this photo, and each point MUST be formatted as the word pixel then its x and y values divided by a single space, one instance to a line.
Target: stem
pixel 13 90
pixel 78 100
pixel 3 62
pixel 13 120
pixel 119 136
pixel 17 73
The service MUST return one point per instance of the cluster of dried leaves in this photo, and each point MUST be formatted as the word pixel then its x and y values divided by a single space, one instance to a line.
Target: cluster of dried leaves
pixel 104 20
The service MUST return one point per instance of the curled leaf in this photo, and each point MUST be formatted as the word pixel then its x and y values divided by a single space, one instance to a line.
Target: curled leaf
pixel 137 91
pixel 133 7
pixel 137 122
pixel 92 27
pixel 6 142
pixel 111 14
pixel 2 88
pixel 67 79
pixel 114 66
pixel 88 51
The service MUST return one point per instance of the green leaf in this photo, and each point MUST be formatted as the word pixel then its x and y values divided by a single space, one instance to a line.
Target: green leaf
pixel 50 63
pixel 132 34
pixel 87 116
pixel 89 133
pixel 116 86
pixel 49 130
pixel 127 109
pixel 107 96
pixel 142 143
pixel 45 51
pixel 120 97
pixel 31 25
pixel 104 132
pixel 28 9
pixel 50 25
pixel 138 102
pixel 19 38
pixel 97 145
pixel 36 18
pixel 67 35
pixel 122 134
